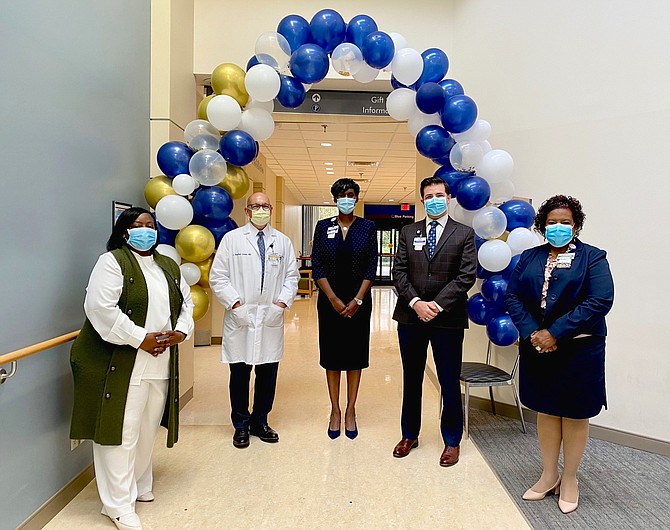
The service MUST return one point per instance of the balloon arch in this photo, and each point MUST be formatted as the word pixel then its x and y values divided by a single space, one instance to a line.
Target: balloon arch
pixel 204 174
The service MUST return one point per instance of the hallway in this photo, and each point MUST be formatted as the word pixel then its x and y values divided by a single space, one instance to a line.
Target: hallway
pixel 308 480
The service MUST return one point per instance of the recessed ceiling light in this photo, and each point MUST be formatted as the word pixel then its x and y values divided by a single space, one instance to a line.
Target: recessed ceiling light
pixel 326 202
pixel 326 144
pixel 327 163
pixel 391 200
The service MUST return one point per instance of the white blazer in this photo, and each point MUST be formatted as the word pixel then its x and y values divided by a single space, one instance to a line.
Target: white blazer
pixel 253 333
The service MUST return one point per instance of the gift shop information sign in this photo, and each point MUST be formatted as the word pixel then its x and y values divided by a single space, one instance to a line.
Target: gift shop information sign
pixel 336 102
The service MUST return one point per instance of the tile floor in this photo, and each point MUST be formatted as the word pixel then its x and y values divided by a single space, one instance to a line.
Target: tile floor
pixel 308 480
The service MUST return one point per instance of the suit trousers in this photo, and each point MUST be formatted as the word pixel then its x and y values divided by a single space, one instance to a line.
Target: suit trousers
pixel 123 472
pixel 264 393
pixel 447 346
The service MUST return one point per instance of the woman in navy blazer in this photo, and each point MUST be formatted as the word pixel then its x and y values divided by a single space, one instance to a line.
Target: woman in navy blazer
pixel 558 296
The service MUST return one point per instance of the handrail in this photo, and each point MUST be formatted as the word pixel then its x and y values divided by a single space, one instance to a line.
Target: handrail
pixel 16 355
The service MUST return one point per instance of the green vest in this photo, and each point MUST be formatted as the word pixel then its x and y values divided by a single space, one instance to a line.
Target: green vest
pixel 102 370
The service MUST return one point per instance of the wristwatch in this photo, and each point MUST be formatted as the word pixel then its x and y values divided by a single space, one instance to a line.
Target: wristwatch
pixel 358 301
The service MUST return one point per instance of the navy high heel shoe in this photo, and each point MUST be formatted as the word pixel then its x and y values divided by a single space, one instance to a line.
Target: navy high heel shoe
pixel 334 434
pixel 351 434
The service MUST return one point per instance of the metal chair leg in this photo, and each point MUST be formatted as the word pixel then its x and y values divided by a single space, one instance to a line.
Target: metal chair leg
pixel 467 410
pixel 493 403
pixel 518 406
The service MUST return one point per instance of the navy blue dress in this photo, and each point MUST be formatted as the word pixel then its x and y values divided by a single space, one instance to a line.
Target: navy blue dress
pixel 344 343
pixel 570 381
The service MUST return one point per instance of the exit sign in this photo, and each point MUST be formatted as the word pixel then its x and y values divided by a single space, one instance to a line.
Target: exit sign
pixel 404 207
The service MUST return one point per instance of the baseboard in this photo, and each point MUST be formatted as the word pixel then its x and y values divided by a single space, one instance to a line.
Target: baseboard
pixel 188 396
pixel 216 340
pixel 636 441
pixel 55 504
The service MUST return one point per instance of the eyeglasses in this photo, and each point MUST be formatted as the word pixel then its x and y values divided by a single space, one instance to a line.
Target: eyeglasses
pixel 256 207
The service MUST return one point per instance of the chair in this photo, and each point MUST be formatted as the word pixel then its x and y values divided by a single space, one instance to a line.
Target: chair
pixel 305 284
pixel 484 374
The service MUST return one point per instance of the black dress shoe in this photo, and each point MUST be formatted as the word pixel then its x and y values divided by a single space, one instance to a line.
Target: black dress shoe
pixel 241 438
pixel 265 433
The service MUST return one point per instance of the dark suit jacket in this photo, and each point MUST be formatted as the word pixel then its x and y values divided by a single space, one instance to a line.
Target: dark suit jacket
pixel 578 298
pixel 445 279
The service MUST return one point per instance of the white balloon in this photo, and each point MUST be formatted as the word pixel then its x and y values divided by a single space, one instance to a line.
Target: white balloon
pixel 419 120
pixel 198 127
pixel 184 184
pixel 494 255
pixel 521 239
pixel 502 191
pixel 267 106
pixel 366 74
pixel 208 167
pixel 258 123
pixel 479 132
pixel 489 223
pixel 407 66
pixel 191 273
pixel 401 104
pixel 224 112
pixel 273 49
pixel 462 215
pixel 496 165
pixel 205 141
pixel 399 42
pixel 170 252
pixel 262 83
pixel 347 59
pixel 486 146
pixel 465 156
pixel 174 212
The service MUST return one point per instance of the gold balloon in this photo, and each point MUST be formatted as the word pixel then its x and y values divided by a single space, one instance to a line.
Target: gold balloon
pixel 228 79
pixel 200 301
pixel 204 267
pixel 236 182
pixel 194 243
pixel 202 107
pixel 157 188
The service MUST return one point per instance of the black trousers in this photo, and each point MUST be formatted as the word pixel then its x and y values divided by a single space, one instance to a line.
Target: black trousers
pixel 447 345
pixel 264 393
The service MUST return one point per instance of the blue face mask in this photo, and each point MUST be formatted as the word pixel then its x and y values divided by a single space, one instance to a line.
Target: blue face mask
pixel 558 235
pixel 142 238
pixel 346 205
pixel 435 206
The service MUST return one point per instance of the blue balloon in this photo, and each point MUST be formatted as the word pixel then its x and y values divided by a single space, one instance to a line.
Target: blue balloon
pixel 482 273
pixel 238 148
pixel 397 84
pixel 328 29
pixel 291 92
pixel 433 141
pixel 165 235
pixel 295 29
pixel 378 49
pixel 452 178
pixel 502 331
pixel 479 241
pixel 358 28
pixel 220 230
pixel 473 193
pixel 445 162
pixel 252 62
pixel 173 158
pixel 507 271
pixel 480 311
pixel 435 66
pixel 309 63
pixel 211 205
pixel 459 113
pixel 494 289
pixel 451 87
pixel 519 214
pixel 430 98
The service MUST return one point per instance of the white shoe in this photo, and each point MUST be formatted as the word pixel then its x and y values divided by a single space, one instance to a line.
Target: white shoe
pixel 146 497
pixel 130 521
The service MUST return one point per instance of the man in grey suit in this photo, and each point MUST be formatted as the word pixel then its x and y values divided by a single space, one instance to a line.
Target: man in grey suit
pixel 434 268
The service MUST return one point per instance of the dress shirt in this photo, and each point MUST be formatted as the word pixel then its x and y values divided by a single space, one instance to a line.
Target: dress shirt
pixel 439 228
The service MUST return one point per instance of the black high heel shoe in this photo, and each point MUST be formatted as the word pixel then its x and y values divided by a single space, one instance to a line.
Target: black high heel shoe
pixel 334 433
pixel 351 434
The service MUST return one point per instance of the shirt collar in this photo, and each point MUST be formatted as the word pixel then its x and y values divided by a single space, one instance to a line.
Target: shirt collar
pixel 442 221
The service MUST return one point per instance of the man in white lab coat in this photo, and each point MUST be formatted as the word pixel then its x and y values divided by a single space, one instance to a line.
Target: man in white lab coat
pixel 255 276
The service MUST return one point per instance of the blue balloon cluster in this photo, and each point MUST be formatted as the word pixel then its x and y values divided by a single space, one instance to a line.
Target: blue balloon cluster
pixel 358 28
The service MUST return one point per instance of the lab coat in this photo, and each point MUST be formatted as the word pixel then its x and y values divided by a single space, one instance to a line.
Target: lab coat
pixel 253 333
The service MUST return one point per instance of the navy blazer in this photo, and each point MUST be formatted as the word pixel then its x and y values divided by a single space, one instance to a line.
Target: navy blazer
pixel 445 279
pixel 578 297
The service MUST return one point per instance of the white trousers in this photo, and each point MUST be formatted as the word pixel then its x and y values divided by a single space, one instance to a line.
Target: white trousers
pixel 124 471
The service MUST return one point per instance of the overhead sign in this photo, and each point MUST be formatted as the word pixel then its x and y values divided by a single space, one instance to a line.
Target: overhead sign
pixel 336 102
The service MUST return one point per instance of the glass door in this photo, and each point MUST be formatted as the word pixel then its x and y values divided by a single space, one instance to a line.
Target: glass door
pixel 387 241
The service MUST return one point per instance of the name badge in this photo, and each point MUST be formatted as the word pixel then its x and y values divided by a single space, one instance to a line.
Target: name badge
pixel 331 231
pixel 565 256
pixel 274 259
pixel 564 264
pixel 419 243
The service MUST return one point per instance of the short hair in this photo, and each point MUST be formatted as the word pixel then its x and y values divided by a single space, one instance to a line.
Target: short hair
pixel 556 202
pixel 429 181
pixel 123 223
pixel 342 185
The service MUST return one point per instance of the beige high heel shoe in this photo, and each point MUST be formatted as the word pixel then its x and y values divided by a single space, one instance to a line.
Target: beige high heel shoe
pixel 567 507
pixel 532 495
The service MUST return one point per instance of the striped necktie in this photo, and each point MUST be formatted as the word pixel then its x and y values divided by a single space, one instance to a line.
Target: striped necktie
pixel 261 250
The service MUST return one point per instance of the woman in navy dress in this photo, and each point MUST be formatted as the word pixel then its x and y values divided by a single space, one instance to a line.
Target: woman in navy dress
pixel 344 263
pixel 558 297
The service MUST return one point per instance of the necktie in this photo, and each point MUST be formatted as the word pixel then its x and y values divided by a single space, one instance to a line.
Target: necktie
pixel 432 239
pixel 261 250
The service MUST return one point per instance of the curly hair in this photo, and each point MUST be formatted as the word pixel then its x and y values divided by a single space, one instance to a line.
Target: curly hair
pixel 342 185
pixel 560 201
pixel 123 223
